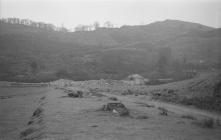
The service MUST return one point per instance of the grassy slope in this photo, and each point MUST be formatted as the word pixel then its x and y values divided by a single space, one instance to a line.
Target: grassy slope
pixel 202 92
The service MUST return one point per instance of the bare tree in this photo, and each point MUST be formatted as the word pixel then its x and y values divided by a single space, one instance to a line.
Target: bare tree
pixel 96 25
pixel 108 24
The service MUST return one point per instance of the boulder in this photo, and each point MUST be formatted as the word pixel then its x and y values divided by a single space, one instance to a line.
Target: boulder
pixel 117 108
pixel 75 94
pixel 163 111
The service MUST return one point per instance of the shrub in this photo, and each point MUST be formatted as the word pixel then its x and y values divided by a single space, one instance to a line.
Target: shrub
pixel 127 92
pixel 205 123
pixel 208 123
pixel 208 102
pixel 113 98
pixel 142 117
pixel 188 117
pixel 27 132
pixel 218 122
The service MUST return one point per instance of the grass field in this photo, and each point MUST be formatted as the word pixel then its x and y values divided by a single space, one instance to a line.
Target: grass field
pixel 16 107
pixel 37 113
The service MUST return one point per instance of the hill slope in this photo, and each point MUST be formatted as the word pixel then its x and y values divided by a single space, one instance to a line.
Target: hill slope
pixel 30 52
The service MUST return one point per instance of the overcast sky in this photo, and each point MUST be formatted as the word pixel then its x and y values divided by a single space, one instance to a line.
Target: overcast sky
pixel 70 13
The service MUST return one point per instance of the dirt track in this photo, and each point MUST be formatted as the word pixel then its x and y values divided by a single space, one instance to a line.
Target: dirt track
pixel 177 109
pixel 53 115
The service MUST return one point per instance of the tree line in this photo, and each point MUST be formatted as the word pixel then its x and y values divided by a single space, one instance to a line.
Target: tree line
pixel 50 27
pixel 96 25
pixel 41 25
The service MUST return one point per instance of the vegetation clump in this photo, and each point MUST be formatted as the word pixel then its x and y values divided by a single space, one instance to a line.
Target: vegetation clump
pixel 142 117
pixel 27 132
pixel 37 112
pixel 205 123
pixel 127 92
pixel 188 117
pixel 113 98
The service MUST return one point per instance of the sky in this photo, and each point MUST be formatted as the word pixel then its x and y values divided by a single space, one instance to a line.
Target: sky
pixel 71 13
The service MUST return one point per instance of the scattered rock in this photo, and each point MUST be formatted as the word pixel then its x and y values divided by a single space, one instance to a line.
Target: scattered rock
pixel 170 91
pixel 127 92
pixel 157 94
pixel 94 126
pixel 27 132
pixel 37 112
pixel 30 122
pixel 73 94
pixel 96 94
pixel 144 104
pixel 180 122
pixel 42 98
pixel 113 98
pixel 115 111
pixel 142 117
pixel 188 117
pixel 5 97
pixel 163 111
pixel 117 108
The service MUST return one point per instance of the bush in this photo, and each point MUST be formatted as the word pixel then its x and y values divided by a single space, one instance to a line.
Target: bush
pixel 127 92
pixel 27 132
pixel 188 117
pixel 205 123
pixel 208 102
pixel 142 117
pixel 208 123
pixel 113 98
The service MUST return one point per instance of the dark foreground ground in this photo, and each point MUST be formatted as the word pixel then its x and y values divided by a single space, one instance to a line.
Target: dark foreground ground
pixel 37 113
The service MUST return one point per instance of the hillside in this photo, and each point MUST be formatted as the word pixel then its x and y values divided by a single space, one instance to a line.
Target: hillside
pixel 154 50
